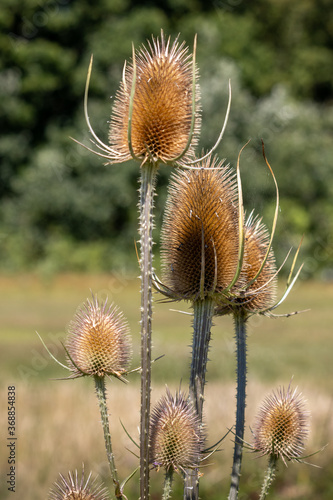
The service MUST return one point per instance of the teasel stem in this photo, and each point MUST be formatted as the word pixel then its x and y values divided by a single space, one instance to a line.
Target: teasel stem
pixel 270 475
pixel 202 323
pixel 147 190
pixel 101 396
pixel 240 318
pixel 167 489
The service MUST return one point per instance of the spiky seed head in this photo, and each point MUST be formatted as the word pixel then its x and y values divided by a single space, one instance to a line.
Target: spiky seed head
pixel 175 433
pixel 162 104
pixel 282 425
pixel 98 340
pixel 74 488
pixel 200 231
pixel 261 294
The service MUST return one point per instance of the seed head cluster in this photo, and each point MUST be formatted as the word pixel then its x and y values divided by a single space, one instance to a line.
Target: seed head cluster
pixel 281 426
pixel 175 436
pixel 73 488
pixel 200 231
pixel 98 340
pixel 162 104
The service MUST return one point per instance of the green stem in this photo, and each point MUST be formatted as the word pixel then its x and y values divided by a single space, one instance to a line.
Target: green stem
pixel 202 323
pixel 147 190
pixel 101 396
pixel 240 335
pixel 270 475
pixel 167 484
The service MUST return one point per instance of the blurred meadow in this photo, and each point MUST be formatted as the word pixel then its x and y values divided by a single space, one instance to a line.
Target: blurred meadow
pixel 58 421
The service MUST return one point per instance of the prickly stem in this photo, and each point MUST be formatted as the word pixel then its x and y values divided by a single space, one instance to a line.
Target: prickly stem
pixel 147 189
pixel 240 335
pixel 270 475
pixel 101 396
pixel 167 489
pixel 202 323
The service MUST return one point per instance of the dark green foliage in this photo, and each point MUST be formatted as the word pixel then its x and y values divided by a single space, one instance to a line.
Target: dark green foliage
pixel 61 208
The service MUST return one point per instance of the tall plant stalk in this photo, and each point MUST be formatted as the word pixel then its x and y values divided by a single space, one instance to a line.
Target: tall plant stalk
pixel 202 323
pixel 101 396
pixel 240 317
pixel 147 190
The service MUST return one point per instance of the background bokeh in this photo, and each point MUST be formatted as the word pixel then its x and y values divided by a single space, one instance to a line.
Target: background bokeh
pixel 62 209
pixel 68 224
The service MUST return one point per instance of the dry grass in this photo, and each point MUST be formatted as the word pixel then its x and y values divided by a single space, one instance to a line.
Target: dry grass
pixel 58 421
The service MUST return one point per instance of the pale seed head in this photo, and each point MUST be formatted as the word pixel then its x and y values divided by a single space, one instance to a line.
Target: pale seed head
pixel 162 104
pixel 200 231
pixel 74 488
pixel 281 426
pixel 98 340
pixel 175 433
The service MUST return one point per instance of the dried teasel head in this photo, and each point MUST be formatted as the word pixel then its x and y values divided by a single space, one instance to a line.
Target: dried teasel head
pixel 74 488
pixel 98 342
pixel 255 289
pixel 281 425
pixel 200 232
pixel 156 114
pixel 175 433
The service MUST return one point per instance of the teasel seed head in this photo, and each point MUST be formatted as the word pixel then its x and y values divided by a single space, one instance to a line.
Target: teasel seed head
pixel 74 488
pixel 160 111
pixel 255 289
pixel 98 341
pixel 175 433
pixel 282 425
pixel 200 231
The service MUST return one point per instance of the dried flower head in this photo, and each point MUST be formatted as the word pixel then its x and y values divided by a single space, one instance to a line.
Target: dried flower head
pixel 73 488
pixel 281 426
pixel 160 111
pixel 255 289
pixel 98 340
pixel 175 435
pixel 200 231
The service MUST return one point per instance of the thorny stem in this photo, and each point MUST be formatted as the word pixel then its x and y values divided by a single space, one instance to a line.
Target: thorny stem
pixel 202 323
pixel 167 484
pixel 101 396
pixel 240 335
pixel 270 475
pixel 147 190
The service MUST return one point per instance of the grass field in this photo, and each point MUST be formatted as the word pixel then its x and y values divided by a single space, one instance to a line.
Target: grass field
pixel 58 422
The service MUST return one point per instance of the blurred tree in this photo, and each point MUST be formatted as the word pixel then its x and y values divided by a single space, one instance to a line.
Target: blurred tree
pixel 61 208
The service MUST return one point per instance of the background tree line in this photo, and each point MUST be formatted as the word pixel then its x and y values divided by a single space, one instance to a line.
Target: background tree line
pixel 62 209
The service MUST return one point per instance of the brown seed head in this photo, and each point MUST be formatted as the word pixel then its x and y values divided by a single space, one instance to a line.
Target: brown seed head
pixel 162 104
pixel 200 231
pixel 73 488
pixel 175 436
pixel 281 425
pixel 98 340
pixel 261 293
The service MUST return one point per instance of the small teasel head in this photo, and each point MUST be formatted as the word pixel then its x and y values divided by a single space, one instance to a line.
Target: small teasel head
pixel 74 487
pixel 282 425
pixel 98 341
pixel 255 289
pixel 200 231
pixel 175 433
pixel 156 114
